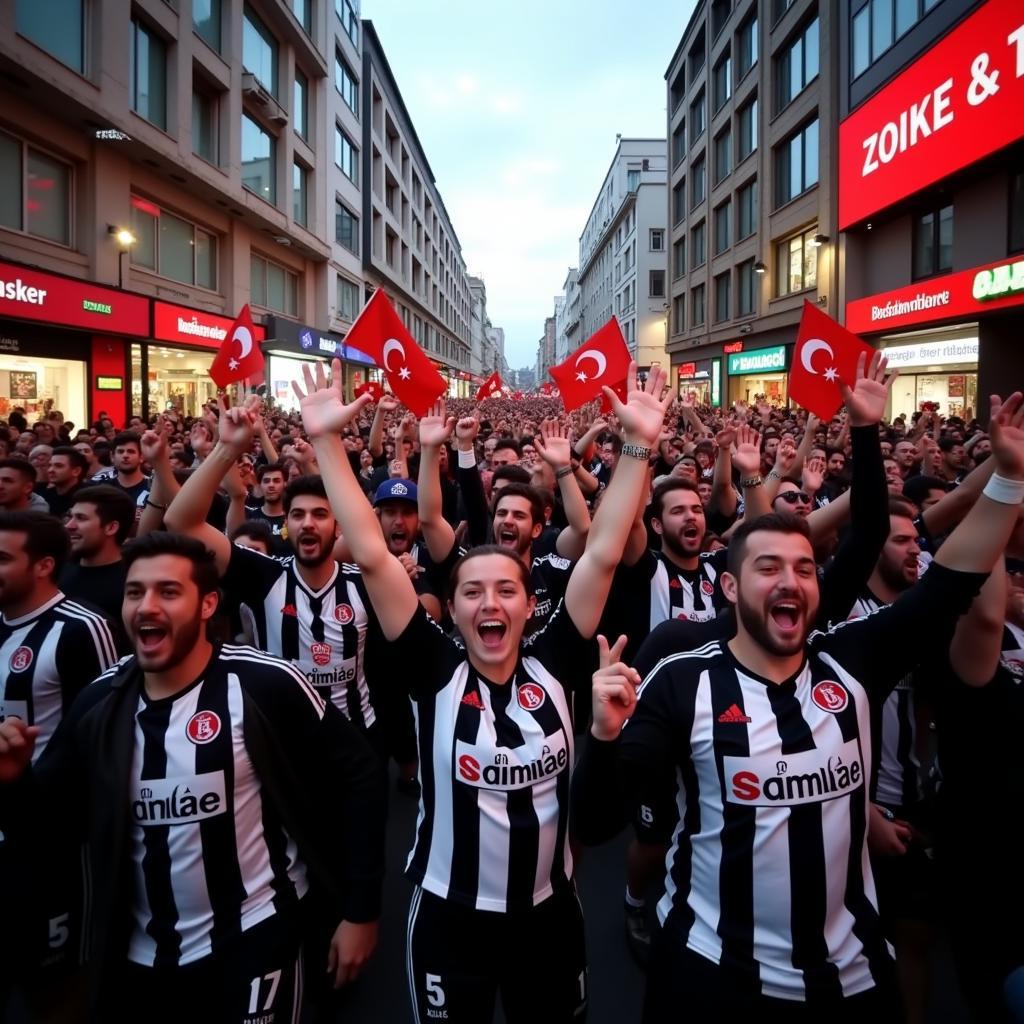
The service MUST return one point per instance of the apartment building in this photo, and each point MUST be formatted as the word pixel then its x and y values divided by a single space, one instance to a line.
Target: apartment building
pixel 567 316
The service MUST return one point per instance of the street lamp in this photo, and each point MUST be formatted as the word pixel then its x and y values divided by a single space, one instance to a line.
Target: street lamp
pixel 125 240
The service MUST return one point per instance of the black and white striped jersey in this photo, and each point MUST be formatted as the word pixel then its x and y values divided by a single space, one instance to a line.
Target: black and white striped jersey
pixel 46 657
pixel 210 856
pixel 549 575
pixel 1012 655
pixel 322 633
pixel 495 760
pixel 768 873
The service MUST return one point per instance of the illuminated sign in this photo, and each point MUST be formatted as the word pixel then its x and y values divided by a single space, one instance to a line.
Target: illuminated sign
pixel 109 383
pixel 956 104
pixel 193 326
pixel 934 353
pixel 1001 280
pixel 716 383
pixel 687 369
pixel 758 360
pixel 733 346
pixel 90 306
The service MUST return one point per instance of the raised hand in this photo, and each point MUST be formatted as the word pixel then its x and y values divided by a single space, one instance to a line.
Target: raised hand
pixel 813 474
pixel 387 404
pixel 643 414
pixel 747 457
pixel 867 399
pixel 153 443
pixel 237 425
pixel 466 430
pixel 553 443
pixel 1006 430
pixel 304 452
pixel 614 691
pixel 436 427
pixel 785 456
pixel 320 403
pixel 726 436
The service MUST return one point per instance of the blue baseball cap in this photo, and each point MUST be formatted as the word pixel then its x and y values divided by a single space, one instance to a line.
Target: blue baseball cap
pixel 395 490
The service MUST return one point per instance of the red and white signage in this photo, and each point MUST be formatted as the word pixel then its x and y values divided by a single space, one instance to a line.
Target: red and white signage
pixel 687 370
pixel 959 102
pixel 194 326
pixel 34 295
pixel 965 293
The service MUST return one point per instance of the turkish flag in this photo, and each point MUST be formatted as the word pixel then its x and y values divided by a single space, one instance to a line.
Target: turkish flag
pixel 371 388
pixel 239 357
pixel 602 359
pixel 379 332
pixel 621 390
pixel 491 388
pixel 825 352
pixel 517 395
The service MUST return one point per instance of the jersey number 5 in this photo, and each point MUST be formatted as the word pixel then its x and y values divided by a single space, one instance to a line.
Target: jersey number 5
pixel 435 994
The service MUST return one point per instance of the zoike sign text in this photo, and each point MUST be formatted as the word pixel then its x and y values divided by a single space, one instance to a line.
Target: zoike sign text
pixel 959 102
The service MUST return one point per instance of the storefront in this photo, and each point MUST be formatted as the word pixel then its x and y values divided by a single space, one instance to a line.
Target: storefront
pixel 702 379
pixel 759 375
pixel 172 371
pixel 62 346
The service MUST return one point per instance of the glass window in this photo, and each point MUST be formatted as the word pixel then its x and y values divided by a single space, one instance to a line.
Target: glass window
pixel 632 180
pixel 723 155
pixel 1016 210
pixel 11 199
pixel 746 201
pixel 657 284
pixel 861 41
pixel 148 74
pixel 678 201
pixel 172 246
pixel 747 128
pixel 679 258
pixel 346 227
pixel 906 16
pixel 698 179
pixel 722 81
pixel 746 47
pixel 698 241
pixel 678 89
pixel 797 65
pixel 697 306
pixel 797 262
pixel 745 278
pixel 57 26
pixel 348 298
pixel 722 296
pixel 722 233
pixel 206 260
pixel 259 51
pixel 879 23
pixel 678 314
pixel 303 10
pixel 300 115
pixel 145 222
pixel 679 144
pixel 697 122
pixel 273 287
pixel 206 21
pixel 259 167
pixel 349 20
pixel 881 26
pixel 345 82
pixel 299 193
pixel 657 243
pixel 48 198
pixel 346 155
pixel 796 164
pixel 177 240
pixel 204 123
pixel 933 242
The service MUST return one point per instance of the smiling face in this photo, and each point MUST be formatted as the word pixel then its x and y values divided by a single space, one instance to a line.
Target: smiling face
pixel 312 529
pixel 514 527
pixel 681 524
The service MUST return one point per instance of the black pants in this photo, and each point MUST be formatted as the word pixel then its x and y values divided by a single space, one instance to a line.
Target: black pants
pixel 257 978
pixel 682 983
pixel 459 960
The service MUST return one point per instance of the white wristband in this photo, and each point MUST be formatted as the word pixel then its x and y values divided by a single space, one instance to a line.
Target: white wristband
pixel 1003 490
pixel 467 460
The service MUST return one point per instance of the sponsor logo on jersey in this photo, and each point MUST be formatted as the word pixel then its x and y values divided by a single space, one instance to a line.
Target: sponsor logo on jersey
pixel 830 696
pixel 707 587
pixel 203 727
pixel 531 696
pixel 810 777
pixel 557 562
pixel 344 614
pixel 339 675
pixel 181 801
pixel 697 615
pixel 321 653
pixel 20 659
pixel 1015 666
pixel 291 610
pixel 733 714
pixel 542 608
pixel 503 770
pixel 472 699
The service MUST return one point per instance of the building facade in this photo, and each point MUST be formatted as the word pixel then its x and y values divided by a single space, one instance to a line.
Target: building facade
pixel 567 317
pixel 622 251
pixel 931 195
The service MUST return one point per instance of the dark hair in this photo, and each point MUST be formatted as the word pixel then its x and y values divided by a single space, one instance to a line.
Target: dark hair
pixel 916 488
pixel 45 536
pixel 513 474
pixel 517 490
pixel 609 437
pixel 303 485
pixel 22 466
pixel 126 437
pixel 507 442
pixel 112 506
pixel 947 444
pixel 271 467
pixel 899 506
pixel 830 451
pixel 657 503
pixel 76 458
pixel 254 529
pixel 160 542
pixel 491 549
pixel 773 522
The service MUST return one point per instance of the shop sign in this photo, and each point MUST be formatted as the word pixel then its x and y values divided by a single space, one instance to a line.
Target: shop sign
pixel 758 360
pixel 110 383
pixel 193 326
pixel 687 369
pixel 309 340
pixel 716 383
pixel 965 293
pixel 733 346
pixel 33 295
pixel 933 353
pixel 956 104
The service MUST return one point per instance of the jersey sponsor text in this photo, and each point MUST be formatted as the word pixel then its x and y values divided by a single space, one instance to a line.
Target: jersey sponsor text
pixel 506 771
pixel 810 777
pixel 181 801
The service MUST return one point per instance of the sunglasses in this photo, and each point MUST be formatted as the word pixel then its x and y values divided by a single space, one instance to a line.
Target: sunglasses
pixel 793 497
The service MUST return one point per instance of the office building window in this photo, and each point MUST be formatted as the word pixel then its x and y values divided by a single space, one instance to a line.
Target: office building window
pixel 797 262
pixel 300 115
pixel 722 296
pixel 679 314
pixel 345 82
pixel 205 129
pixel 746 127
pixel 678 144
pixel 346 227
pixel 745 282
pixel 797 65
pixel 206 22
pixel 719 15
pixel 303 11
pixel 746 47
pixel 698 181
pixel 172 246
pixel 273 286
pixel 679 258
pixel 657 284
pixel 299 190
pixel 349 19
pixel 348 299
pixel 877 24
pixel 697 55
pixel 722 233
pixel 933 242
pixel 259 160
pixel 678 89
pixel 1017 212
pixel 36 197
pixel 697 118
pixel 346 156
pixel 723 155
pixel 678 201
pixel 657 243
pixel 796 164
pixel 698 244
pixel 746 204
pixel 632 179
pixel 259 51
pixel 697 306
pixel 147 74
pixel 57 26
pixel 722 81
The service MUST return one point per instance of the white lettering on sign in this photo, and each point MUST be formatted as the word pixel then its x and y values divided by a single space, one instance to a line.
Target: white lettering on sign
pixel 18 291
pixel 198 330
pixel 914 123
pixel 961 350
pixel 923 300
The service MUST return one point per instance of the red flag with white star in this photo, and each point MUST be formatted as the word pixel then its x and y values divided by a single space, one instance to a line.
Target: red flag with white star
pixel 379 332
pixel 491 388
pixel 371 388
pixel 621 390
pixel 602 360
pixel 239 356
pixel 825 352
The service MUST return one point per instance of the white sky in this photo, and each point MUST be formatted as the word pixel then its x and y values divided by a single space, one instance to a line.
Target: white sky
pixel 517 105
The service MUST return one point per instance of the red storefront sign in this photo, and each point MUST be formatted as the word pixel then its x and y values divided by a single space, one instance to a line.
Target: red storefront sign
pixel 194 326
pixel 966 293
pixel 687 369
pixel 733 346
pixel 959 102
pixel 35 295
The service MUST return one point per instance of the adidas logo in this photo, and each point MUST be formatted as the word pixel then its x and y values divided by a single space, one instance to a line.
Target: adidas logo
pixel 290 609
pixel 733 714
pixel 473 700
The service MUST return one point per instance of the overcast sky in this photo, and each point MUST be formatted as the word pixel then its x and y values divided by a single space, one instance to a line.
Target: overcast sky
pixel 517 106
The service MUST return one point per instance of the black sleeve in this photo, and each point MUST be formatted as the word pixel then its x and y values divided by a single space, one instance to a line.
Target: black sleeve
pixel 881 648
pixel 250 572
pixel 675 637
pixel 422 659
pixel 561 649
pixel 86 650
pixel 475 502
pixel 854 561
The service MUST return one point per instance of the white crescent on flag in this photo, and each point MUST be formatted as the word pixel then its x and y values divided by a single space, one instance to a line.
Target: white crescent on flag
pixel 599 361
pixel 810 347
pixel 392 345
pixel 244 338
